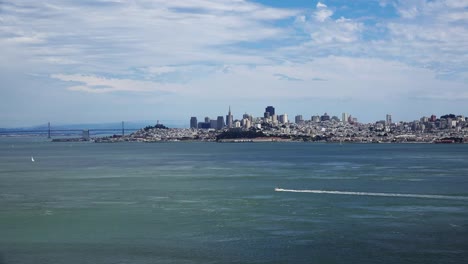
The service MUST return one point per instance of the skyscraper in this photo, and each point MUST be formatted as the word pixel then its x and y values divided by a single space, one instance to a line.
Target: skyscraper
pixel 220 123
pixel 283 119
pixel 344 117
pixel 298 119
pixel 229 118
pixel 325 117
pixel 270 109
pixel 388 119
pixel 193 122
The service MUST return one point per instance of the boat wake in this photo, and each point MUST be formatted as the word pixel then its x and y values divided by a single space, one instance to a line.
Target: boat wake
pixel 407 195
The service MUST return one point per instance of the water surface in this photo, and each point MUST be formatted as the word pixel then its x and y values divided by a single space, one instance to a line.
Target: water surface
pixel 215 203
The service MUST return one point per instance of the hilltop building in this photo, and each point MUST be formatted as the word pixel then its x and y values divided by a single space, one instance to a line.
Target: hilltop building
pixel 344 117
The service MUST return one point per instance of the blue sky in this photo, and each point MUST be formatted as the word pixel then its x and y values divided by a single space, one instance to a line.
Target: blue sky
pixel 110 60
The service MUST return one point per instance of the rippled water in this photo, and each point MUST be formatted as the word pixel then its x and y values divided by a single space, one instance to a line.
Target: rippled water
pixel 215 203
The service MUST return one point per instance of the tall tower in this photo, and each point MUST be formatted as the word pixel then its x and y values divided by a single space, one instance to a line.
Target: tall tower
pixel 344 117
pixel 220 123
pixel 193 122
pixel 388 119
pixel 298 119
pixel 270 109
pixel 229 118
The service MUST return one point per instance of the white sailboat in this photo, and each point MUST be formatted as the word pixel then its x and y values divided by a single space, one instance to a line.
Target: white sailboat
pixel 32 159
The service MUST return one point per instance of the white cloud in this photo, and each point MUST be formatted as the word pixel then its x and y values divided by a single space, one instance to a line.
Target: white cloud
pixel 96 84
pixel 321 5
pixel 139 33
pixel 322 13
pixel 323 29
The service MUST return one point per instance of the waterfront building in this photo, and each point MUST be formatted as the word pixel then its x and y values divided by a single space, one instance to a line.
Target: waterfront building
pixel 229 119
pixel 193 122
pixel 220 123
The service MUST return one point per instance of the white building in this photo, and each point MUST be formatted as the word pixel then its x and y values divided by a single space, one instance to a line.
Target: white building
pixel 344 117
pixel 283 119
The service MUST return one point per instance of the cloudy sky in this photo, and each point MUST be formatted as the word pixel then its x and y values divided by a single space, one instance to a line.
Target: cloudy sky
pixel 111 60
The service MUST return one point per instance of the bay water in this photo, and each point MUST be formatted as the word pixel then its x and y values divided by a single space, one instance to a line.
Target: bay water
pixel 193 202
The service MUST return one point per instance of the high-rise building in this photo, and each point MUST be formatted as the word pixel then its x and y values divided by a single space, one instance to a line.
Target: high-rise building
pixel 283 119
pixel 298 119
pixel 247 116
pixel 220 123
pixel 246 123
pixel 433 118
pixel 207 119
pixel 388 119
pixel 270 109
pixel 325 117
pixel 85 134
pixel 193 122
pixel 274 119
pixel 204 125
pixel 229 119
pixel 213 123
pixel 344 117
pixel 315 119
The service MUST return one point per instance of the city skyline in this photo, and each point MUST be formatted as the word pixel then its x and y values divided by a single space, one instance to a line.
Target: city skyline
pixel 270 116
pixel 80 62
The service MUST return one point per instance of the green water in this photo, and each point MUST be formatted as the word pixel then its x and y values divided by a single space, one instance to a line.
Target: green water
pixel 215 203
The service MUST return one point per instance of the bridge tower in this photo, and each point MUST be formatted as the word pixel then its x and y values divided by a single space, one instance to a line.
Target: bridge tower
pixel 48 134
pixel 123 130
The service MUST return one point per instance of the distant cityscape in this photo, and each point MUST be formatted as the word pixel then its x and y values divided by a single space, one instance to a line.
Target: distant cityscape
pixel 449 128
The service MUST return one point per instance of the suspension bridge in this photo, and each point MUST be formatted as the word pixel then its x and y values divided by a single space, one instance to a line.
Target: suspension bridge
pixel 50 131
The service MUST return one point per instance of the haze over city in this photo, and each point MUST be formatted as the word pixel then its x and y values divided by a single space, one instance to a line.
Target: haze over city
pixel 107 61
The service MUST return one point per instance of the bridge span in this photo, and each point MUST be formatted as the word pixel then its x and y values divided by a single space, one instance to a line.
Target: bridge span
pixel 50 132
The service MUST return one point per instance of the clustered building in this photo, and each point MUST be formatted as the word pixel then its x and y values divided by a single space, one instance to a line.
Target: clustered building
pixel 346 129
pixel 431 129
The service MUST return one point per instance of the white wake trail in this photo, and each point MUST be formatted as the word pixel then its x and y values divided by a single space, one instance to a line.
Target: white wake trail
pixel 427 196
